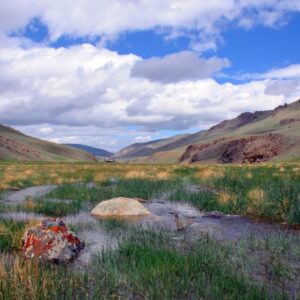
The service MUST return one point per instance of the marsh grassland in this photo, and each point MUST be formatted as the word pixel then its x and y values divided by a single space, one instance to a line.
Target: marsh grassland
pixel 156 262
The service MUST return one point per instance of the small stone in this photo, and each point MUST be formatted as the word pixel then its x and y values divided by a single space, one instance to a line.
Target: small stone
pixel 214 214
pixel 13 188
pixel 182 223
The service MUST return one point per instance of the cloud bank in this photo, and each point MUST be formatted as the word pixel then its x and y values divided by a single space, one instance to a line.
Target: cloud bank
pixel 87 87
pixel 177 67
pixel 88 94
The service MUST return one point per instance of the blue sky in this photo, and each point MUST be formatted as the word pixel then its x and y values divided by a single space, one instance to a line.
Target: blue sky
pixel 108 74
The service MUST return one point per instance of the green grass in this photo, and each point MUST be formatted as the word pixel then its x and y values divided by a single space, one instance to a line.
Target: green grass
pixel 10 235
pixel 155 271
pixel 279 201
pixel 146 264
pixel 56 209
pixel 132 188
pixel 185 171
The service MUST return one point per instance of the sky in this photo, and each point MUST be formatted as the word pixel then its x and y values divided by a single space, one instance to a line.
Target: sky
pixel 112 73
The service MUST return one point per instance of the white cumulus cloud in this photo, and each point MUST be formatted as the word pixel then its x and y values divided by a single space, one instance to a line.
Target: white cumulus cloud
pixel 88 95
pixel 201 21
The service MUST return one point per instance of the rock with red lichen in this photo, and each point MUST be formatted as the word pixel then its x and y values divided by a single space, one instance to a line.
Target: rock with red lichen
pixel 51 240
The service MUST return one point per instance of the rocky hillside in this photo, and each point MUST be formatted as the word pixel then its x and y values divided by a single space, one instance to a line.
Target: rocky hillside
pixel 250 137
pixel 15 145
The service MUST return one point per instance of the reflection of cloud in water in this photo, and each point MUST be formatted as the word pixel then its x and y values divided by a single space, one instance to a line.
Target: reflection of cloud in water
pixel 96 240
pixel 80 219
pixel 21 216
pixel 33 192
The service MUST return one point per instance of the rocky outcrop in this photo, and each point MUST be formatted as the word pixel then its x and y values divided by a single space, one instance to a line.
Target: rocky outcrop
pixel 241 120
pixel 202 152
pixel 253 149
pixel 289 121
pixel 120 207
pixel 51 240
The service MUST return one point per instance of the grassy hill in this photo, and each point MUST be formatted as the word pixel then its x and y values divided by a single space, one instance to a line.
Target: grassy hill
pixel 278 128
pixel 15 145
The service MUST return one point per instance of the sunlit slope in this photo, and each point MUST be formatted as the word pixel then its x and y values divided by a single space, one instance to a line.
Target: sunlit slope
pixel 16 146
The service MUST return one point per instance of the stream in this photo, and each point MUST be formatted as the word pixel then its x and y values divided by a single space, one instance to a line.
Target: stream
pixel 194 223
pixel 183 219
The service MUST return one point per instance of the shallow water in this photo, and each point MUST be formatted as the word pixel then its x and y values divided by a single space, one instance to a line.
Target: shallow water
pixel 33 192
pixel 194 223
pixel 96 240
pixel 163 208
pixel 21 216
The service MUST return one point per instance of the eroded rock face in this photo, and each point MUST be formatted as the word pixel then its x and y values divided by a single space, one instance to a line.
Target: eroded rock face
pixel 51 240
pixel 120 207
pixel 252 149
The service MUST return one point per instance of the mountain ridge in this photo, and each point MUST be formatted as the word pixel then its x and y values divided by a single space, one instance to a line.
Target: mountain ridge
pixel 146 148
pixel 92 150
pixel 283 120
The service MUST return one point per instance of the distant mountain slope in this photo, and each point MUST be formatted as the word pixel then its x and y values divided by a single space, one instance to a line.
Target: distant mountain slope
pixel 92 150
pixel 147 148
pixel 15 145
pixel 241 139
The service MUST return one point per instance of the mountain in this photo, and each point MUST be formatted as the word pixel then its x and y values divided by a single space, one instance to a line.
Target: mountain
pixel 147 148
pixel 15 145
pixel 250 137
pixel 92 150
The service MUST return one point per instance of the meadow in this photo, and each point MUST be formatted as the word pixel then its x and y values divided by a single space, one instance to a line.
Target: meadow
pixel 151 263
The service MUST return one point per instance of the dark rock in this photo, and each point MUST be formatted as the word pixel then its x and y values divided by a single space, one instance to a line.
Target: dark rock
pixel 252 149
pixel 182 223
pixel 13 188
pixel 214 214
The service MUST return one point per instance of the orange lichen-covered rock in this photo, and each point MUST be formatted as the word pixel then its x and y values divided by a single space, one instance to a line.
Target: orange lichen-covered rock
pixel 51 240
